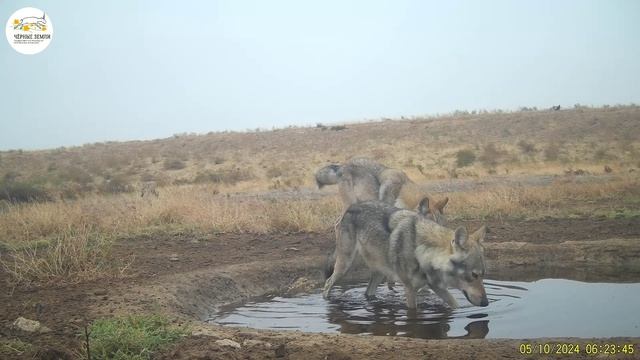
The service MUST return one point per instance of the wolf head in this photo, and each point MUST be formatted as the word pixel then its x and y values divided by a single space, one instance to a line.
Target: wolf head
pixel 466 267
pixel 433 210
pixel 328 175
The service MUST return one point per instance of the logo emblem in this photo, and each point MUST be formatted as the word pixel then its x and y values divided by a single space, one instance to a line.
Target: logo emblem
pixel 29 30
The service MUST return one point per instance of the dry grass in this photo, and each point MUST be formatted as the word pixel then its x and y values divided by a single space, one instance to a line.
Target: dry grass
pixel 77 235
pixel 563 198
pixel 200 208
pixel 519 142
pixel 188 207
pixel 74 255
pixel 70 241
pixel 14 348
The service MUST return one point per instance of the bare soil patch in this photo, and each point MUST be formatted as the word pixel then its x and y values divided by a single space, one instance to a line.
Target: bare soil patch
pixel 550 231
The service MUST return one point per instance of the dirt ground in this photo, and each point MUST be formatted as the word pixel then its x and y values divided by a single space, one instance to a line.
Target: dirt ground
pixel 187 276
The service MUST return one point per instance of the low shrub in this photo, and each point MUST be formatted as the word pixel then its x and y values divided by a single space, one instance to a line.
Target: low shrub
pixel 116 185
pixel 492 155
pixel 174 164
pixel 72 256
pixel 465 158
pixel 18 192
pixel 526 147
pixel 224 176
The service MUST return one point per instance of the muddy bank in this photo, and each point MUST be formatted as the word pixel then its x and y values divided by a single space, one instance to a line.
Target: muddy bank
pixel 186 276
pixel 612 260
pixel 199 292
pixel 551 231
pixel 293 345
pixel 589 260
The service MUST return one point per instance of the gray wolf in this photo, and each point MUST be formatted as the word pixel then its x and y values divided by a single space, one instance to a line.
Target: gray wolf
pixel 410 247
pixel 362 179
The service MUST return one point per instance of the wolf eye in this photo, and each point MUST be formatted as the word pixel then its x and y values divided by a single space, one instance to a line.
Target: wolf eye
pixel 474 274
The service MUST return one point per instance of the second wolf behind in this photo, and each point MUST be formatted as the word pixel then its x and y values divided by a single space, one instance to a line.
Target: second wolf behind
pixel 408 246
pixel 363 179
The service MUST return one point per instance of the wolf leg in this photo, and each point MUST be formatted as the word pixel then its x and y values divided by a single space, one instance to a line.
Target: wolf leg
pixel 343 263
pixel 385 195
pixel 375 280
pixel 446 296
pixel 337 224
pixel 390 189
pixel 345 253
pixel 390 285
pixel 410 293
pixel 346 189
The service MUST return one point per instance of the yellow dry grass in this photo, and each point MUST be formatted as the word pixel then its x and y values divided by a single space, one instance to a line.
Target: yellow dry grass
pixel 74 255
pixel 199 208
pixel 424 147
pixel 187 207
pixel 563 198
pixel 70 241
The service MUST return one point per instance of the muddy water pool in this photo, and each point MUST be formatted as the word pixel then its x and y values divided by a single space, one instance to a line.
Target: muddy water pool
pixel 543 308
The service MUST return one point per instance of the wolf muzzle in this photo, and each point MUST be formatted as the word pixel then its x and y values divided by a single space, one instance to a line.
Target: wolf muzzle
pixel 484 301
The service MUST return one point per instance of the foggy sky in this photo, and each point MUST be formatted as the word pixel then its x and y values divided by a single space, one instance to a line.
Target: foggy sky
pixel 118 70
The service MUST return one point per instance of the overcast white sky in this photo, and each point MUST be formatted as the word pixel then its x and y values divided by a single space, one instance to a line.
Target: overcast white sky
pixel 119 70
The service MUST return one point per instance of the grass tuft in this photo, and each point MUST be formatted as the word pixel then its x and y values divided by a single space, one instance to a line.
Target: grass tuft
pixel 14 347
pixel 75 255
pixel 131 337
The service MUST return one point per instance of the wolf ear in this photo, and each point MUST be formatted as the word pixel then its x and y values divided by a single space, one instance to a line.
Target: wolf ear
pixel 441 204
pixel 461 237
pixel 479 235
pixel 423 207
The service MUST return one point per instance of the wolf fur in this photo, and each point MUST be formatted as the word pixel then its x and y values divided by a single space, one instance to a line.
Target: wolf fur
pixel 410 247
pixel 363 179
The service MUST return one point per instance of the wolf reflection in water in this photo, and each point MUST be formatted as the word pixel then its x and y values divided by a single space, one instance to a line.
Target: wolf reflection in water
pixel 386 317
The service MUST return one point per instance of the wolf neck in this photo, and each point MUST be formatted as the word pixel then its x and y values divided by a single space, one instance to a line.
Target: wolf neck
pixel 433 258
pixel 433 245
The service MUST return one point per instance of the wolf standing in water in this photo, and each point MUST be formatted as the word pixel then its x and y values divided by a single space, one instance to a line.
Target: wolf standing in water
pixel 363 179
pixel 409 246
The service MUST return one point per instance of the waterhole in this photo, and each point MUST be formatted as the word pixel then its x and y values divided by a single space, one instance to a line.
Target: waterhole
pixel 543 308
